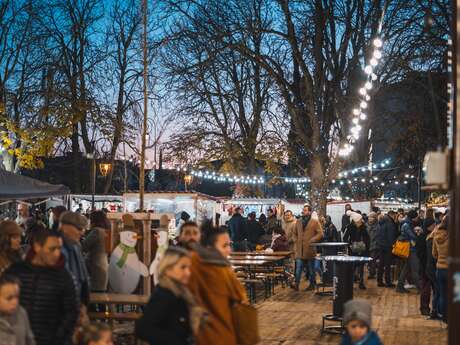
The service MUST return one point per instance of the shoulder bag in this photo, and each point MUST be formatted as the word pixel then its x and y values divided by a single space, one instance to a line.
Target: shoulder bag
pixel 245 322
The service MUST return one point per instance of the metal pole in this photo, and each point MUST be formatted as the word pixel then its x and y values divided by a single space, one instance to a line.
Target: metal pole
pixel 93 181
pixel 144 124
pixel 419 184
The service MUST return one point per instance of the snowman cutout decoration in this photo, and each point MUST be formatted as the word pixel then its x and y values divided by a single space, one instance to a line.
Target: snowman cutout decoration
pixel 125 268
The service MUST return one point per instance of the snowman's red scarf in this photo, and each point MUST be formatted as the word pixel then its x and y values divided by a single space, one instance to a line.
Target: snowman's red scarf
pixel 126 250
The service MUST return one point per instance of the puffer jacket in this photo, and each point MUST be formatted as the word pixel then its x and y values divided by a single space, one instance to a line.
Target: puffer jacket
pixel 408 234
pixel 48 296
pixel 441 248
pixel 15 329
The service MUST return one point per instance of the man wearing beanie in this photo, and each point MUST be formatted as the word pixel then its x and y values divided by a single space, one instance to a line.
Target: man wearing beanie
pixel 73 225
pixel 412 263
pixel 357 319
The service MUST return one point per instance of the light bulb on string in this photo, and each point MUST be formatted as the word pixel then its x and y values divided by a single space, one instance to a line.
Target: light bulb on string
pixel 368 69
pixel 363 91
pixel 367 98
pixel 374 76
pixel 377 54
pixel 374 62
pixel 363 104
pixel 356 111
pixel 363 116
pixel 355 121
pixel 368 85
pixel 378 43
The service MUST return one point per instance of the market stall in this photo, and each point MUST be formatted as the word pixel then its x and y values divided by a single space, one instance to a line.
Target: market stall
pixel 197 205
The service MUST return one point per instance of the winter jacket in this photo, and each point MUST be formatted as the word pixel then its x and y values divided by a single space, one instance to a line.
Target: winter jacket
pixel 255 231
pixel 408 234
pixel 430 266
pixel 96 258
pixel 330 233
pixel 166 320
pixel 441 248
pixel 373 230
pixel 48 296
pixel 76 266
pixel 304 236
pixel 345 222
pixel 215 287
pixel 272 224
pixel 280 244
pixel 370 339
pixel 387 233
pixel 353 234
pixel 289 229
pixel 420 248
pixel 15 329
pixel 238 228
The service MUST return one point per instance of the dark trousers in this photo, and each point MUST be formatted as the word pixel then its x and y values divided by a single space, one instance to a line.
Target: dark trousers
pixel 384 267
pixel 374 263
pixel 425 293
pixel 359 270
pixel 441 278
pixel 435 300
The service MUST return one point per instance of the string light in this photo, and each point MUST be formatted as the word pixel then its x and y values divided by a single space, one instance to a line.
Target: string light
pixel 354 135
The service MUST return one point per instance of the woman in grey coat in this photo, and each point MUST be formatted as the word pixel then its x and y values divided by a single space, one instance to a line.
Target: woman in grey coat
pixel 94 247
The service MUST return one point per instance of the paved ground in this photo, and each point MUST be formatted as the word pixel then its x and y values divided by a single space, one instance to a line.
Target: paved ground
pixel 294 318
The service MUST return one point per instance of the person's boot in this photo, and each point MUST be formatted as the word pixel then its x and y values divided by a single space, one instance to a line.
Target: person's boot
pixel 380 284
pixel 390 285
pixel 295 286
pixel 425 311
pixel 401 289
pixel 362 286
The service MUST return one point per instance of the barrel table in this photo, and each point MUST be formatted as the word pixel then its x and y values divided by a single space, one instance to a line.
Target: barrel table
pixel 343 274
pixel 329 249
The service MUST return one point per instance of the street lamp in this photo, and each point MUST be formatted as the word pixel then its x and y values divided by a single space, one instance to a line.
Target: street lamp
pixel 187 181
pixel 104 168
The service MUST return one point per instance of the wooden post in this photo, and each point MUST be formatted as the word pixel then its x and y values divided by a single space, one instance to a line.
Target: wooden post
pixel 147 254
pixel 453 307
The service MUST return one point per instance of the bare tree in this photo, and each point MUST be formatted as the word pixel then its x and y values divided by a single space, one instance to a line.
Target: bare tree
pixel 223 102
pixel 314 52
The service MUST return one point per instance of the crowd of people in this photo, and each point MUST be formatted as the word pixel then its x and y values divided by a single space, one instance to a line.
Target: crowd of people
pixel 48 271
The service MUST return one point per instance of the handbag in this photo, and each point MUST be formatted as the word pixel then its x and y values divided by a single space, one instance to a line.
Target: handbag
pixel 358 247
pixel 401 249
pixel 246 324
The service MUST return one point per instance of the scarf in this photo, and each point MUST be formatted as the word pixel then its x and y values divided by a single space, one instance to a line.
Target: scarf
pixel 198 315
pixel 124 256
pixel 305 221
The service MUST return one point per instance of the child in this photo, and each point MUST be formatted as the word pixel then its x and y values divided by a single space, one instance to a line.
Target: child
pixel 357 317
pixel 96 334
pixel 14 322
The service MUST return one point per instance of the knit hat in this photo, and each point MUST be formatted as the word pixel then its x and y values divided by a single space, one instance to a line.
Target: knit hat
pixel 412 214
pixel 358 309
pixel 355 217
pixel 76 219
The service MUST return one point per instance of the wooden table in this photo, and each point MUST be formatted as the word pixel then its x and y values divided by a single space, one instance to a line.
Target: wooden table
pixel 286 254
pixel 245 262
pixel 115 298
pixel 256 257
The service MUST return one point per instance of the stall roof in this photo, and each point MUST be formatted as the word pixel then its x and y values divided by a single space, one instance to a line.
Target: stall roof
pixel 18 187
pixel 172 194
pixel 253 201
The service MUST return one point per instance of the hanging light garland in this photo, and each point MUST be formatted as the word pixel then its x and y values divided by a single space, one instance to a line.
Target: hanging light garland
pixel 243 179
pixel 359 113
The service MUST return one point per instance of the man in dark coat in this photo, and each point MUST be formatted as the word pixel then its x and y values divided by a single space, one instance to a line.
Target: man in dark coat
pixel 423 256
pixel 238 230
pixel 387 233
pixel 255 230
pixel 346 219
pixel 47 290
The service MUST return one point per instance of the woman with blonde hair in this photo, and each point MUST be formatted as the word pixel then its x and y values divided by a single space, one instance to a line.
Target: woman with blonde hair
pixel 172 316
pixel 10 244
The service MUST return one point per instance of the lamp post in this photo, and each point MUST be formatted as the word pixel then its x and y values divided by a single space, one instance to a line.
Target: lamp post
pixel 91 155
pixel 187 181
